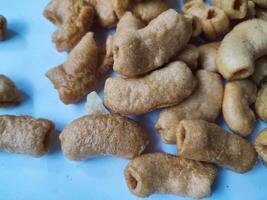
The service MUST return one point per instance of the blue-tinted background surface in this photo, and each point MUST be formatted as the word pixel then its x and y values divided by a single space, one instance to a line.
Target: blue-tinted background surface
pixel 25 57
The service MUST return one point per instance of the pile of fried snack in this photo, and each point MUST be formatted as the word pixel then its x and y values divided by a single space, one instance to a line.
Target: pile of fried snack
pixel 159 66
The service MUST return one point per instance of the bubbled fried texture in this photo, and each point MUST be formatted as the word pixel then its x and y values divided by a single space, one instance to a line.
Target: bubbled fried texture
pixel 162 88
pixel 137 53
pixel 235 9
pixel 76 77
pixel 26 135
pixel 9 94
pixel 205 103
pixel 207 56
pixel 204 141
pixel 147 10
pixel 163 173
pixel 74 19
pixel 238 97
pixel 261 102
pixel 241 47
pixel 260 145
pixel 94 135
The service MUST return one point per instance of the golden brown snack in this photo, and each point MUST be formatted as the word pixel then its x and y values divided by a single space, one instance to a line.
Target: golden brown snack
pixel 238 97
pixel 205 103
pixel 261 13
pixel 76 77
pixel 3 28
pixel 26 135
pixel 164 173
pixel 162 88
pixel 213 20
pixel 74 19
pixel 105 13
pixel 139 52
pixel 235 9
pixel 261 3
pixel 207 56
pixel 121 6
pixel 260 73
pixel 261 102
pixel 189 56
pixel 260 145
pixel 241 47
pixel 196 25
pixel 94 135
pixel 204 141
pixel 9 94
pixel 147 10
pixel 251 12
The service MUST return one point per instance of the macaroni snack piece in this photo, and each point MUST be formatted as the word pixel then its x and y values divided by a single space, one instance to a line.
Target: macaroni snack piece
pixel 238 97
pixel 101 134
pixel 261 102
pixel 139 52
pixel 204 141
pixel 241 48
pixel 260 73
pixel 162 88
pixel 260 145
pixel 235 9
pixel 205 103
pixel 76 77
pixel 189 56
pixel 9 94
pixel 26 135
pixel 163 173
pixel 74 19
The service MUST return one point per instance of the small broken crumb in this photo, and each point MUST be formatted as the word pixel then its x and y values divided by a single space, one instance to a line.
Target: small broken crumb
pixel 94 105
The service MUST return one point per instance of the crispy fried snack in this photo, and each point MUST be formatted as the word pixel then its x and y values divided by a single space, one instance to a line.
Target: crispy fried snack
pixel 189 56
pixel 261 102
pixel 139 52
pixel 9 94
pixel 26 135
pixel 238 97
pixel 163 173
pixel 95 135
pixel 74 19
pixel 204 141
pixel 76 77
pixel 162 88
pixel 260 73
pixel 205 103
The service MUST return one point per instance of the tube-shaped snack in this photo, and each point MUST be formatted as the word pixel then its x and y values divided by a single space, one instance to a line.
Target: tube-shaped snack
pixel 139 52
pixel 213 20
pixel 260 73
pixel 106 17
pixel 238 97
pixel 241 47
pixel 261 102
pixel 235 9
pixel 74 18
pixel 147 10
pixel 3 28
pixel 207 56
pixel 163 173
pixel 261 3
pixel 26 135
pixel 94 135
pixel 189 56
pixel 76 77
pixel 205 103
pixel 260 145
pixel 204 141
pixel 162 88
pixel 9 94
